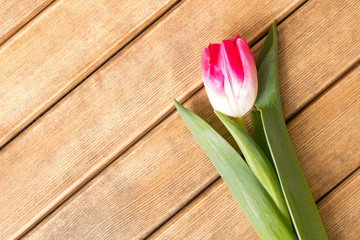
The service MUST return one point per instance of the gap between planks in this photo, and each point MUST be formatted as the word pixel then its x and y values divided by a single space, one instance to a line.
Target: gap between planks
pixel 321 204
pixel 23 22
pixel 161 119
pixel 91 173
pixel 215 182
pixel 96 63
pixel 158 15
pixel 73 206
pixel 339 205
pixel 352 74
pixel 16 134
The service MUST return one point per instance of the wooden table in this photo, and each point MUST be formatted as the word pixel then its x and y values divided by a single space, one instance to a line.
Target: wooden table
pixel 92 148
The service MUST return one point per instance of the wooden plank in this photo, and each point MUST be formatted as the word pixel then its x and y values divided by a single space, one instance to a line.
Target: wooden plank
pixel 325 136
pixel 340 210
pixel 224 220
pixel 166 169
pixel 213 215
pixel 116 105
pixel 315 45
pixel 59 48
pixel 15 14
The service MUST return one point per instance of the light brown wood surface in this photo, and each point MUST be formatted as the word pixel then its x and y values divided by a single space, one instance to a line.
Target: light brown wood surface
pixel 122 115
pixel 207 218
pixel 170 157
pixel 59 48
pixel 15 14
pixel 340 210
pixel 215 214
pixel 115 106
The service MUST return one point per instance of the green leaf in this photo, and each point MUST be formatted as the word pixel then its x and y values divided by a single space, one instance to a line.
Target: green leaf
pixel 302 208
pixel 251 196
pixel 258 163
pixel 259 134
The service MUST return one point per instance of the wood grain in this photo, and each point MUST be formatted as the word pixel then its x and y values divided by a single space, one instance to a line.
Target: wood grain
pixel 340 210
pixel 59 48
pixel 15 14
pixel 316 41
pixel 325 136
pixel 223 219
pixel 212 215
pixel 159 175
pixel 109 111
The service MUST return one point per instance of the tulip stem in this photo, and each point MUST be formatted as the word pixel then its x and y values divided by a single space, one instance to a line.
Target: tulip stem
pixel 241 123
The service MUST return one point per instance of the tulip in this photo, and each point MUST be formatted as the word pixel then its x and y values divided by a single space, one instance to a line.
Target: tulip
pixel 230 77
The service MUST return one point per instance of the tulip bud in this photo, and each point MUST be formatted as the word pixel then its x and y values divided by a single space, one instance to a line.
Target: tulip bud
pixel 230 77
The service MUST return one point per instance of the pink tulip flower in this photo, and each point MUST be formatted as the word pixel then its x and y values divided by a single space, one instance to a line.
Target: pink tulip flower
pixel 230 77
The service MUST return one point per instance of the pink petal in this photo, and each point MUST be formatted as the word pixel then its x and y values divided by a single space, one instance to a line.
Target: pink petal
pixel 248 63
pixel 212 76
pixel 247 58
pixel 214 52
pixel 233 41
pixel 231 63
